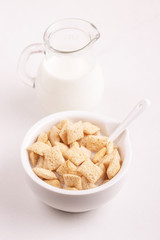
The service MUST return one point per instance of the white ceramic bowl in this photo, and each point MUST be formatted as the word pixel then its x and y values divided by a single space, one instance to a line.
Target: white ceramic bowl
pixel 84 200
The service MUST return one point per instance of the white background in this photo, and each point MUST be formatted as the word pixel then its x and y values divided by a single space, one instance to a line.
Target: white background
pixel 130 42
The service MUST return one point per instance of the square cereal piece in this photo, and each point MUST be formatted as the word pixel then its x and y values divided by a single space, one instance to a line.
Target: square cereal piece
pixel 33 158
pixel 53 158
pixel 75 132
pixel 72 169
pixel 82 150
pixel 103 175
pixel 96 143
pixel 83 141
pixel 106 160
pixel 43 137
pixel 55 183
pixel 54 135
pixel 75 155
pixel 63 169
pixel 89 170
pixel 67 167
pixel 39 148
pixel 86 184
pixel 63 132
pixel 40 162
pixel 71 180
pixel 99 155
pixel 61 124
pixel 62 147
pixel 85 152
pixel 74 144
pixel 110 148
pixel 114 165
pixel 44 173
pixel 89 128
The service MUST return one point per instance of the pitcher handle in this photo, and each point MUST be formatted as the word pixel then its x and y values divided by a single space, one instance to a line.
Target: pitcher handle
pixel 24 57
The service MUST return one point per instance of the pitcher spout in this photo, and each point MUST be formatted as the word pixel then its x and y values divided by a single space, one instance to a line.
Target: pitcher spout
pixel 94 33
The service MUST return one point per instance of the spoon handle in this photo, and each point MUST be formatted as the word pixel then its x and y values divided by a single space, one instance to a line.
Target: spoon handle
pixel 136 111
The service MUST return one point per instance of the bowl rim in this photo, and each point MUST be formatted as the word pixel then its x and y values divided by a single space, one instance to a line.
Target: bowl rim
pixel 42 122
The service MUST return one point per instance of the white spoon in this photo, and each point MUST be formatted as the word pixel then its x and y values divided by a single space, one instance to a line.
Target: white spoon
pixel 137 110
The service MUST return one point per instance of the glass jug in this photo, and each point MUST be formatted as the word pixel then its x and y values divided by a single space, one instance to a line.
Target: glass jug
pixel 69 77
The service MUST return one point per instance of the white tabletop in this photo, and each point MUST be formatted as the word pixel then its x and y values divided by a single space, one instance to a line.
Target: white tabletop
pixel 130 42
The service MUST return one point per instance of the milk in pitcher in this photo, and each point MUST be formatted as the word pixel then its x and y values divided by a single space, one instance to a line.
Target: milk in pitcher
pixel 69 83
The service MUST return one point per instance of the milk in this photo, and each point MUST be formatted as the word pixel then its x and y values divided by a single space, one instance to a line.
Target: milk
pixel 69 83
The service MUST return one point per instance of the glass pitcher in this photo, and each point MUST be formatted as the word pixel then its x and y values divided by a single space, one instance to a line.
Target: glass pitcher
pixel 69 77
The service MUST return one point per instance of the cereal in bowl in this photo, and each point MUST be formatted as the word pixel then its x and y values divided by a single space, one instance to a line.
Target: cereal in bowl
pixel 74 156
